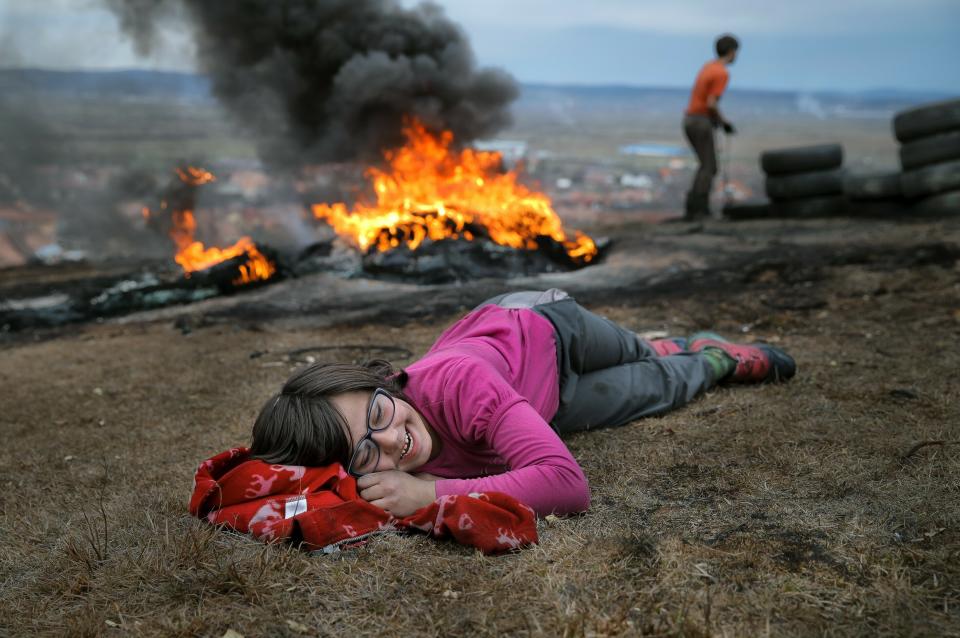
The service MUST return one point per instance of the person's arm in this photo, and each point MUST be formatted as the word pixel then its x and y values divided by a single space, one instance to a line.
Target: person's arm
pixel 713 107
pixel 716 86
pixel 485 412
pixel 543 474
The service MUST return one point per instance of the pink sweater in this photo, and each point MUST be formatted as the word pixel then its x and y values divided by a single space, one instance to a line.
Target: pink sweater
pixel 487 387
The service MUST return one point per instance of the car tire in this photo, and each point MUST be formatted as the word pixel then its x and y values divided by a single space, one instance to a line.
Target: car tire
pixel 931 180
pixel 802 159
pixel 930 150
pixel 927 120
pixel 812 184
pixel 872 186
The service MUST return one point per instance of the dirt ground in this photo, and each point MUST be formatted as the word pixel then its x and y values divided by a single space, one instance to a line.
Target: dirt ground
pixel 829 505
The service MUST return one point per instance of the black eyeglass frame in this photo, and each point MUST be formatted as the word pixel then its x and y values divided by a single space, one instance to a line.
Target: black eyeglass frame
pixel 371 430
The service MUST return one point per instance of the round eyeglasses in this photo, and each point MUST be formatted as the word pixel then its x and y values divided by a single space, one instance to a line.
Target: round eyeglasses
pixel 380 414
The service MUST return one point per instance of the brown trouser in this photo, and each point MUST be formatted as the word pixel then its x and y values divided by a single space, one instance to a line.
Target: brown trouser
pixel 699 132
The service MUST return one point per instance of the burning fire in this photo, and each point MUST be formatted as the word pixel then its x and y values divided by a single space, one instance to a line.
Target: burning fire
pixel 433 191
pixel 193 256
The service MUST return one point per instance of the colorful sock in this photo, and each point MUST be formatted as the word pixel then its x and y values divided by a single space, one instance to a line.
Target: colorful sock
pixel 705 334
pixel 721 364
pixel 668 346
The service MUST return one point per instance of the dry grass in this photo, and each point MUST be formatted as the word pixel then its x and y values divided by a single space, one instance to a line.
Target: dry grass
pixel 801 509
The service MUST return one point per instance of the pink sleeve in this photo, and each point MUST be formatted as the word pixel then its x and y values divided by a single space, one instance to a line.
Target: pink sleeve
pixel 543 474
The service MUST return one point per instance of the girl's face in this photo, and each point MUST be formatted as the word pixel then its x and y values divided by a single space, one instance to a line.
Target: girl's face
pixel 405 444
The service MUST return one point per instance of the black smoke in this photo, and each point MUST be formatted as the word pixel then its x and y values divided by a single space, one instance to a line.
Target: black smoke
pixel 331 80
pixel 27 145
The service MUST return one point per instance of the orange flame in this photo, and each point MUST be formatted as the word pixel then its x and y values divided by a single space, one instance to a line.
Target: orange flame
pixel 432 191
pixel 195 176
pixel 193 256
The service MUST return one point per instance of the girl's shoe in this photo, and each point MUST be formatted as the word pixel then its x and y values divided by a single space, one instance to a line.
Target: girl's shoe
pixel 756 363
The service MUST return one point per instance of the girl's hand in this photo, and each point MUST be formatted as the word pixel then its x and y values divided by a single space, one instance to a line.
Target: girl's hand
pixel 396 492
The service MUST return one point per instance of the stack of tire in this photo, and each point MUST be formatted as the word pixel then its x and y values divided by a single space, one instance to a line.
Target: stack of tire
pixel 874 192
pixel 805 181
pixel 930 156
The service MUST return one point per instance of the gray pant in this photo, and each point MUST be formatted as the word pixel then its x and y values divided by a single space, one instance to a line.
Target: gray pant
pixel 699 132
pixel 609 376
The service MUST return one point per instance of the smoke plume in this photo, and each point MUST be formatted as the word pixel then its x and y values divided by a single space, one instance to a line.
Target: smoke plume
pixel 330 80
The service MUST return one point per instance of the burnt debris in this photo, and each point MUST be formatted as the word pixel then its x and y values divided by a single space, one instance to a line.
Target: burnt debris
pixel 88 297
pixel 80 299
pixel 454 260
pixel 451 260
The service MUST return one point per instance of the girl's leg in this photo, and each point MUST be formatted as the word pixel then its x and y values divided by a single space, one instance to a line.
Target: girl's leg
pixel 610 376
pixel 617 344
pixel 590 342
pixel 621 394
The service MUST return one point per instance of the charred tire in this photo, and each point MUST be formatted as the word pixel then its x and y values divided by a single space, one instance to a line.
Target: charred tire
pixel 814 184
pixel 931 180
pixel 930 119
pixel 930 150
pixel 737 212
pixel 873 186
pixel 943 204
pixel 802 159
pixel 811 207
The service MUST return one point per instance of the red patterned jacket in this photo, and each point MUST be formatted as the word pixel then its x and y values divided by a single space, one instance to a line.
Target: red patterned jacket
pixel 321 508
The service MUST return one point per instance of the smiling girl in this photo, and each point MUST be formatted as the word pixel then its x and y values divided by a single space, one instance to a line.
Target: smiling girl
pixel 484 409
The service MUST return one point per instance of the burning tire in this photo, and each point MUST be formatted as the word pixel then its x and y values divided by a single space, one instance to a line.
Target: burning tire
pixel 942 147
pixel 873 186
pixel 931 180
pixel 809 184
pixel 811 207
pixel 802 159
pixel 943 204
pixel 927 120
pixel 450 260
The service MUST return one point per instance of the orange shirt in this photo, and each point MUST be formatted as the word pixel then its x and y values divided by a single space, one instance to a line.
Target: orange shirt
pixel 711 80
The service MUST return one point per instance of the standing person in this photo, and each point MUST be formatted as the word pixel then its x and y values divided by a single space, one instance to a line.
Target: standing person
pixel 701 118
pixel 482 411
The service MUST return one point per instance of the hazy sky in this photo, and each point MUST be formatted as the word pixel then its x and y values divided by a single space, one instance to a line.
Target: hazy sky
pixel 787 44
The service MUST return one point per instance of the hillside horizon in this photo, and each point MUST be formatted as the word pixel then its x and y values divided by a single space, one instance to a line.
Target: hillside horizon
pixel 150 81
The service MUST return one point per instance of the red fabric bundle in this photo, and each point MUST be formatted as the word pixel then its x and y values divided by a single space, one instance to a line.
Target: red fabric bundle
pixel 321 507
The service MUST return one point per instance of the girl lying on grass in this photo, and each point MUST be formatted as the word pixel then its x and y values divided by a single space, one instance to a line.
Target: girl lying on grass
pixel 483 410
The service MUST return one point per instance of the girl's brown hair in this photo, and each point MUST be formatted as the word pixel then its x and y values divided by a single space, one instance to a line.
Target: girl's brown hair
pixel 300 426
